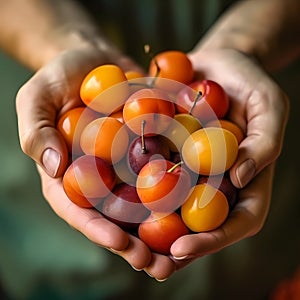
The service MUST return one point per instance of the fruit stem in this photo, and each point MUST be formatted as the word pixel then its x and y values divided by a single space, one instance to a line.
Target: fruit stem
pixel 198 97
pixel 138 84
pixel 174 167
pixel 147 50
pixel 144 150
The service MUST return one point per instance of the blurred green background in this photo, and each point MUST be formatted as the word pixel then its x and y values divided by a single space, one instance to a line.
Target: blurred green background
pixel 41 257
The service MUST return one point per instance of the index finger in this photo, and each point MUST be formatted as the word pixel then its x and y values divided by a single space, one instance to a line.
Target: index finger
pixel 88 221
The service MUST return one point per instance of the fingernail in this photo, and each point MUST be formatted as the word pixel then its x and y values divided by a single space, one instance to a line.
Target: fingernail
pixel 51 161
pixel 180 257
pixel 136 269
pixel 245 172
pixel 161 280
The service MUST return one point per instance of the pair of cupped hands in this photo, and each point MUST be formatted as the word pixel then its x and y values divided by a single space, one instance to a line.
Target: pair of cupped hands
pixel 258 106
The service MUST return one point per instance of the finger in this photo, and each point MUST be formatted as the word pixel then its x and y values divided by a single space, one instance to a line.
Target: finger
pixel 245 220
pixel 39 138
pixel 161 267
pixel 183 262
pixel 53 90
pixel 88 221
pixel 137 254
pixel 266 110
pixel 257 105
pixel 42 99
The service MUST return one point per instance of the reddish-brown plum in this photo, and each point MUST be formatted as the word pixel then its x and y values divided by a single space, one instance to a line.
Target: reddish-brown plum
pixel 89 177
pixel 142 149
pixel 123 207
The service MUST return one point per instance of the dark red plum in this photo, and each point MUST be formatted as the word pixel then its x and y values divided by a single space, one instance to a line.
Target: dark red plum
pixel 123 207
pixel 143 149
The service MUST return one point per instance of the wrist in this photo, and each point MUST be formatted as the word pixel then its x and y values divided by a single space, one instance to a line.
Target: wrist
pixel 224 40
pixel 248 28
pixel 73 37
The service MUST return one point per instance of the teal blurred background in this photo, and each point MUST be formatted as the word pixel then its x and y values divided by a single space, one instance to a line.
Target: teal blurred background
pixel 41 257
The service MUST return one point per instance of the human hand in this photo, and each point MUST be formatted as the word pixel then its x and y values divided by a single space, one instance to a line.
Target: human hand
pixel 260 108
pixel 104 233
pixel 90 222
pixel 53 90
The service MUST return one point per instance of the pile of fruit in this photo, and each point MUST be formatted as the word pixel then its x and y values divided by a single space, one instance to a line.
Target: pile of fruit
pixel 152 153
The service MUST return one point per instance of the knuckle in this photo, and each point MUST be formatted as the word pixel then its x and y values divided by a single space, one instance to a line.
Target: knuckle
pixel 27 142
pixel 21 97
pixel 273 147
pixel 27 137
pixel 257 228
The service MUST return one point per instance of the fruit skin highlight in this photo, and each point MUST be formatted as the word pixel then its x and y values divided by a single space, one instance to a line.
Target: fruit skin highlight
pixel 151 106
pixel 205 209
pixel 71 124
pixel 123 207
pixel 87 179
pixel 159 231
pixel 143 149
pixel 211 105
pixel 229 125
pixel 223 183
pixel 179 130
pixel 163 186
pixel 105 89
pixel 174 65
pixel 106 138
pixel 210 151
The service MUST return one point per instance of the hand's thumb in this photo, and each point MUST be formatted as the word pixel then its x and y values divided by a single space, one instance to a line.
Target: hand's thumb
pixel 264 140
pixel 39 138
